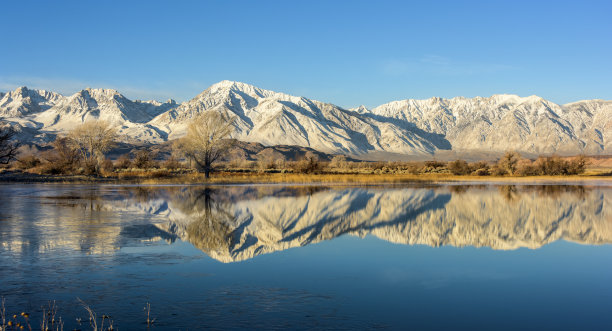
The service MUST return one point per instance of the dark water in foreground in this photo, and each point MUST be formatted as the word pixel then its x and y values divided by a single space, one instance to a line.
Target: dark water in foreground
pixel 305 257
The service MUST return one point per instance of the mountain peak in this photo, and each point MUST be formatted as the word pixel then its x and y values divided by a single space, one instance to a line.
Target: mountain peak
pixel 233 85
pixel 225 83
pixel 102 92
pixel 21 89
pixel 361 109
pixel 226 86
pixel 513 98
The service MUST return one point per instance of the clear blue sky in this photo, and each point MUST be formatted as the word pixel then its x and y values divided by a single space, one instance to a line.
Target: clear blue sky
pixel 344 52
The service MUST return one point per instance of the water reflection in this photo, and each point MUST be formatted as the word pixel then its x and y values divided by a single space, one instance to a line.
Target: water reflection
pixel 235 223
pixel 503 217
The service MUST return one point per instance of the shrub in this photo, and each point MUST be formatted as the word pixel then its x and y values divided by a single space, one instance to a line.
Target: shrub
pixel 172 163
pixel 265 162
pixel 62 159
pixel 526 168
pixel 480 168
pixel 144 160
pixel 459 167
pixel 496 170
pixel 508 162
pixel 556 166
pixel 481 172
pixel 309 165
pixel 338 162
pixel 552 166
pixel 434 164
pixel 107 165
pixel 53 168
pixel 578 165
pixel 413 168
pixel 123 162
pixel 28 162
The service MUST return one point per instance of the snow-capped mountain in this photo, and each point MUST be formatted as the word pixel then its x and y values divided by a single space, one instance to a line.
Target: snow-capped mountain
pixel 24 101
pixel 273 118
pixel 504 122
pixel 407 127
pixel 103 104
pixel 38 115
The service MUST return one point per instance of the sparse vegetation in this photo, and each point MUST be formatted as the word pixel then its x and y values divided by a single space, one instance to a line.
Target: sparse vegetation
pixel 144 163
pixel 508 163
pixel 207 140
pixel 62 159
pixel 28 162
pixel 308 165
pixel 50 320
pixel 144 159
pixel 91 140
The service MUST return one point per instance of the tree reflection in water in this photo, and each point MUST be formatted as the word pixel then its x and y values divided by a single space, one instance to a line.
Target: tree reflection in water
pixel 209 228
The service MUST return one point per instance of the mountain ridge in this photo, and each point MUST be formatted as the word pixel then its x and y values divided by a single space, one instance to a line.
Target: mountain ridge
pixel 494 124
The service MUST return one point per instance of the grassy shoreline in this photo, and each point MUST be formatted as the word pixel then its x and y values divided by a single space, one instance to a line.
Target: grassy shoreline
pixel 293 178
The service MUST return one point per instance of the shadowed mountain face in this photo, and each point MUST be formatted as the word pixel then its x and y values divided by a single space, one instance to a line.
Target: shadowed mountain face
pixel 236 223
pixel 240 223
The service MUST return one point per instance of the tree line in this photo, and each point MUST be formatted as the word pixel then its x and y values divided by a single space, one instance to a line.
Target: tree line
pixel 83 151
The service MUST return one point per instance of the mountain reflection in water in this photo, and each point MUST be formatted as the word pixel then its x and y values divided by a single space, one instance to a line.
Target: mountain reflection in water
pixel 236 223
pixel 231 229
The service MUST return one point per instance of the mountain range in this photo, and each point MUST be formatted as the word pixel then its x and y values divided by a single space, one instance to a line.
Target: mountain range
pixel 434 126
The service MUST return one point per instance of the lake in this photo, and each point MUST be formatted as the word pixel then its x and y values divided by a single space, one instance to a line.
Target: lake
pixel 479 256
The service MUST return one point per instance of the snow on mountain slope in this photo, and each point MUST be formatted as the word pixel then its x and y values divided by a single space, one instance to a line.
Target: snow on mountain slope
pixel 38 115
pixel 24 101
pixel 592 122
pixel 495 124
pixel 508 122
pixel 128 116
pixel 104 104
pixel 274 118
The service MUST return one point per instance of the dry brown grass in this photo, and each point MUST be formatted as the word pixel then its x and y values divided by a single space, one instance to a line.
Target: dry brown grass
pixel 228 177
pixel 184 176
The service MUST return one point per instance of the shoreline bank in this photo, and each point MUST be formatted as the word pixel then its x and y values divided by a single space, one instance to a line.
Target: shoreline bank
pixel 292 178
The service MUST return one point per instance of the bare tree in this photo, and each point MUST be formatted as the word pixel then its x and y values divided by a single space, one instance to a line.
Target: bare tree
pixel 63 153
pixel 310 164
pixel 509 161
pixel 92 140
pixel 207 140
pixel 8 147
pixel 339 161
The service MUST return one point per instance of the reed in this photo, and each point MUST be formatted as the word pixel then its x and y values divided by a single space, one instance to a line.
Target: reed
pixel 51 322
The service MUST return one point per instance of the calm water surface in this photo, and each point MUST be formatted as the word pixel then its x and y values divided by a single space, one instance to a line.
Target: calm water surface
pixel 304 257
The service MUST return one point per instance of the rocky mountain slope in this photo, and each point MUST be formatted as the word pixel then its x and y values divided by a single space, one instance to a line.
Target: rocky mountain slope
pixel 39 115
pixel 496 124
pixel 530 124
pixel 274 118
